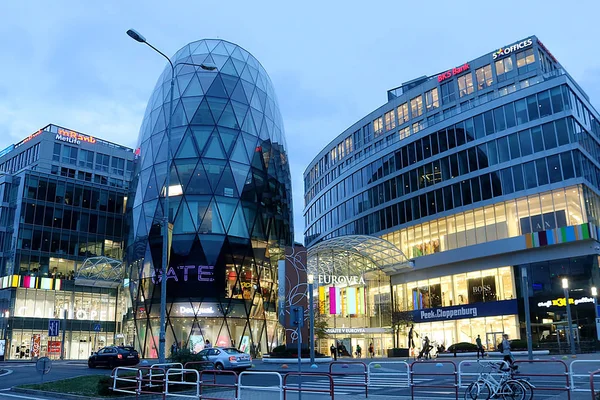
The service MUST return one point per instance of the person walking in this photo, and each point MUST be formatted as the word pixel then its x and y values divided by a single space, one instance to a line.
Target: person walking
pixel 411 334
pixel 479 347
pixel 371 350
pixel 506 350
pixel 358 351
pixel 333 351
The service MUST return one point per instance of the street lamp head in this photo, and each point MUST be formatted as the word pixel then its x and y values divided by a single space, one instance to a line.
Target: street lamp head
pixel 594 291
pixel 135 35
pixel 565 283
pixel 310 278
pixel 208 66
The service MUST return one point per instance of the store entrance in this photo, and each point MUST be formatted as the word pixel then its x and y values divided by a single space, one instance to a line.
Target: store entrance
pixel 492 339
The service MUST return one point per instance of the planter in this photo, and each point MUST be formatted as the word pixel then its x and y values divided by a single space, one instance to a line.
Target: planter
pixel 397 353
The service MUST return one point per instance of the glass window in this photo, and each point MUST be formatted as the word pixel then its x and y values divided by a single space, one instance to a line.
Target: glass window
pixel 478 126
pixel 525 142
pixel 102 161
pixel 416 106
pixel 86 158
pixel 509 112
pixel 518 177
pixel 492 153
pixel 431 99
pixel 69 155
pixel 536 136
pixel 465 84
pixel 544 103
pixel 503 152
pixel 56 153
pixel 549 135
pixel 524 59
pixel 503 66
pixel 448 92
pixel 554 168
pixel 378 126
pixel 542 171
pixel 561 131
pixel 530 175
pixel 390 120
pixel 507 183
pixel 513 144
pixel 499 119
pixel 556 99
pixel 402 113
pixel 532 107
pixel 118 166
pixel 567 165
pixel 489 122
pixel 521 111
pixel 484 77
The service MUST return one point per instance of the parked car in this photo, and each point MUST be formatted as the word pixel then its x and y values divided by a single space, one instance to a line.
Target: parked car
pixel 114 356
pixel 227 358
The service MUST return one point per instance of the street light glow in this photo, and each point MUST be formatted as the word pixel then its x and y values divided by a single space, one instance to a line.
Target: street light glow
pixel 565 283
pixel 310 278
pixel 594 291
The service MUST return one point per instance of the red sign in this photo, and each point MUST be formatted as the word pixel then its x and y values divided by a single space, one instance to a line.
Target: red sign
pixel 76 135
pixel 28 138
pixel 54 347
pixel 35 345
pixel 454 71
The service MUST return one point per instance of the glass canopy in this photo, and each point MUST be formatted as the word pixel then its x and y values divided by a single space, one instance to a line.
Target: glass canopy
pixel 101 272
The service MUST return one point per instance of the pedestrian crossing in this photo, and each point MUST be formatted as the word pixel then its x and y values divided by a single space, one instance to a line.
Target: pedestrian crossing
pixel 340 382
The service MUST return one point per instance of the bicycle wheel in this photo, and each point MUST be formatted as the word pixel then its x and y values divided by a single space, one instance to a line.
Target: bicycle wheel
pixel 472 391
pixel 528 388
pixel 512 390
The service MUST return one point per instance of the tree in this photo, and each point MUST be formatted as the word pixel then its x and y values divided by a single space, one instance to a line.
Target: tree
pixel 400 322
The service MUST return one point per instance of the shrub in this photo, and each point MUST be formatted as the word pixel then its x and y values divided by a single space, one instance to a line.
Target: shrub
pixel 185 355
pixel 518 344
pixel 283 352
pixel 462 346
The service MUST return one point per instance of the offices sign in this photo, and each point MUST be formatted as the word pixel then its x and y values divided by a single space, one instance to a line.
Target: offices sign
pixel 452 72
pixel 475 310
pixel 505 51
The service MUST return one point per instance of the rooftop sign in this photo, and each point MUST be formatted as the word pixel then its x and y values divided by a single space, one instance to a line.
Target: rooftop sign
pixel 28 138
pixel 454 71
pixel 505 51
pixel 74 137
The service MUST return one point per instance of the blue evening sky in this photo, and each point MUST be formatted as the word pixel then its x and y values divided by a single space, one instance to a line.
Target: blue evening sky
pixel 71 64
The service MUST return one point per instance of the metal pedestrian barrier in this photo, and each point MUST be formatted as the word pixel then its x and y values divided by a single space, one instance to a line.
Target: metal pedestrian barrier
pixel 215 384
pixel 165 367
pixel 364 374
pixel 286 388
pixel 143 380
pixel 428 385
pixel 592 375
pixel 468 363
pixel 573 375
pixel 278 388
pixel 183 382
pixel 395 378
pixel 564 374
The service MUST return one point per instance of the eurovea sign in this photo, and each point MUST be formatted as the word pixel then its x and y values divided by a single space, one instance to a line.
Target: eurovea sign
pixel 454 71
pixel 505 51
pixel 341 280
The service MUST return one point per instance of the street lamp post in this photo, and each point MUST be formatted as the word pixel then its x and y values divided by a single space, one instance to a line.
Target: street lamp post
pixel 165 227
pixel 565 285
pixel 311 310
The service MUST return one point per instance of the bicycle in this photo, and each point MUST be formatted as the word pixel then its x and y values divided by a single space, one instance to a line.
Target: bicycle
pixel 487 386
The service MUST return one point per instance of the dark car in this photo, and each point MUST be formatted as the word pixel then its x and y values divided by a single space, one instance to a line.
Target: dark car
pixel 114 356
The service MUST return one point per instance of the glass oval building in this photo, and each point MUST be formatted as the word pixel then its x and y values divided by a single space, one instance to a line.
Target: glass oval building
pixel 229 205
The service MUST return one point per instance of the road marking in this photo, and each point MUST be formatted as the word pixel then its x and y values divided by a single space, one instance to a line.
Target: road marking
pixel 21 397
pixel 8 372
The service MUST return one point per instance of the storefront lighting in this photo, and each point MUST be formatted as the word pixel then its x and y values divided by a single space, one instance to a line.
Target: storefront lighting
pixel 565 283
pixel 594 291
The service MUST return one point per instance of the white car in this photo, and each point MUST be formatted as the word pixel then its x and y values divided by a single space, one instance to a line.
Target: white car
pixel 227 358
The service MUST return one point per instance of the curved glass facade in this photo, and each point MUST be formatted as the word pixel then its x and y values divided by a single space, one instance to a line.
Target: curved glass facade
pixel 229 203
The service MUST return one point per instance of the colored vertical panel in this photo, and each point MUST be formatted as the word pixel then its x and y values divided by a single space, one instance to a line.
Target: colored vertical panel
pixel 551 236
pixel 4 282
pixel 351 300
pixel 57 284
pixel 338 301
pixel 321 299
pixel 528 242
pixel 570 233
pixel 361 300
pixel 543 238
pixel 585 231
pixel 46 283
pixel 15 281
pixel 332 300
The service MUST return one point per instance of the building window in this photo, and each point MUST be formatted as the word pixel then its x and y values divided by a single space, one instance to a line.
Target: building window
pixel 484 77
pixel 416 106
pixel 117 166
pixel 56 153
pixel 503 68
pixel 390 120
pixel 448 92
pixel 403 113
pixel 525 61
pixel 378 126
pixel 431 99
pixel 69 155
pixel 405 132
pixel 465 85
pixel 349 147
pixel 102 161
pixel 367 133
pixel 86 159
pixel 68 172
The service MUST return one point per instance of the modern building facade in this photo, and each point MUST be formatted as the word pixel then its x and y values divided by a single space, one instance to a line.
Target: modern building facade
pixel 230 205
pixel 485 177
pixel 63 196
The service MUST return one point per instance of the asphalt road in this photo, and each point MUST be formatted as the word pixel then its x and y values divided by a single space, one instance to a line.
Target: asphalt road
pixel 388 379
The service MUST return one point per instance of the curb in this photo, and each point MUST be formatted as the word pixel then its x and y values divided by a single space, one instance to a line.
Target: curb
pixel 295 360
pixel 77 397
pixel 4 372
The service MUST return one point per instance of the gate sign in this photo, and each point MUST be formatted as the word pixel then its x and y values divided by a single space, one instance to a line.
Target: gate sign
pixel 53 327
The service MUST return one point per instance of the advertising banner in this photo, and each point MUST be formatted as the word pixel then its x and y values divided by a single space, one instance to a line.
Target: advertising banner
pixel 475 310
pixel 54 347
pixel 35 346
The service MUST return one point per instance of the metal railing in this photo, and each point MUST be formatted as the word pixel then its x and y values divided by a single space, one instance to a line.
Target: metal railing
pixel 564 375
pixel 287 388
pixel 215 384
pixel 364 374
pixel 278 388
pixel 481 363
pixel 453 373
pixel 181 372
pixel 371 373
pixel 573 375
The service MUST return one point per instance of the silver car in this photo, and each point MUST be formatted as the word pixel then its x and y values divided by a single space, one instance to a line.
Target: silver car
pixel 227 358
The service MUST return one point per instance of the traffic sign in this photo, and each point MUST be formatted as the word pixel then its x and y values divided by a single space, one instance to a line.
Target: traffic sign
pixel 43 366
pixel 53 327
pixel 97 328
pixel 297 316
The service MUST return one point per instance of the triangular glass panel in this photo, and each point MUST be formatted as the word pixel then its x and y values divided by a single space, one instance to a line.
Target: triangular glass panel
pixel 213 169
pixel 151 189
pixel 185 170
pixel 264 133
pixel 240 173
pixel 203 115
pixel 230 47
pixel 251 145
pixel 160 150
pixel 214 149
pixel 212 244
pixel 262 96
pixel 187 149
pixel 248 88
pixel 211 222
pixel 228 137
pixel 190 105
pixel 227 208
pixel 248 125
pixel 261 82
pixel 216 106
pixel 238 224
pixel 212 43
pixel 256 100
pixel 198 183
pixel 220 49
pixel 239 64
pixel 202 134
pixel 258 118
pixel 202 48
pixel 229 69
pixel 193 88
pixel 239 94
pixel 246 75
pixel 182 244
pixel 176 137
pixel 239 152
pixel 258 230
pixel 228 119
pixel 227 186
pixel 183 81
pixel 230 82
pixel 183 221
pixel 240 110
pixel 179 117
pixel 217 89
pixel 206 79
pixel 253 73
pixel 160 122
pixel 236 53
pixel 249 215
pixel 219 60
